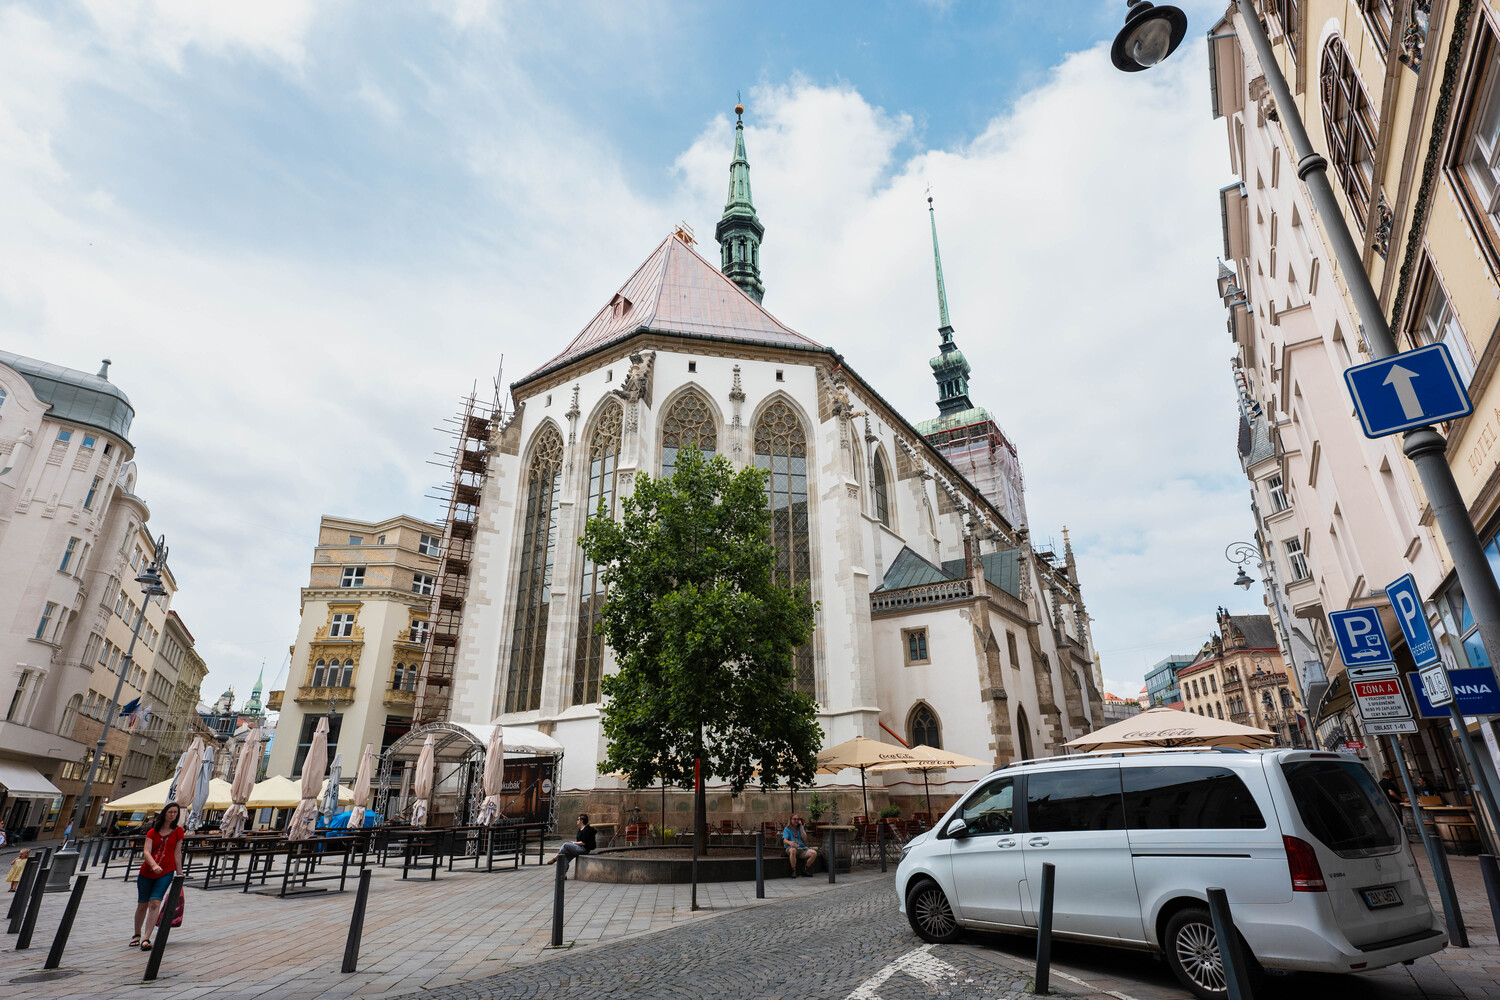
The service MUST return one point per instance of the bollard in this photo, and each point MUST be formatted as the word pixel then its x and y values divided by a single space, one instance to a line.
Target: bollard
pixel 33 907
pixel 832 861
pixel 357 922
pixel 1044 929
pixel 557 905
pixel 22 893
pixel 880 842
pixel 60 939
pixel 1235 977
pixel 1491 870
pixel 760 864
pixel 163 928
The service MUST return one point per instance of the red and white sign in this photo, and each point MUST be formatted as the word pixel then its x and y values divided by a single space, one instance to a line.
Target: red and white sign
pixel 1354 744
pixel 1381 699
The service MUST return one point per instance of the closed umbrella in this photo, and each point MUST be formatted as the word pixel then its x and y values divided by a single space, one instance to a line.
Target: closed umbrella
pixel 940 759
pixel 331 790
pixel 494 776
pixel 422 786
pixel 185 785
pixel 1168 727
pixel 235 818
pixel 305 819
pixel 362 787
pixel 862 752
pixel 200 790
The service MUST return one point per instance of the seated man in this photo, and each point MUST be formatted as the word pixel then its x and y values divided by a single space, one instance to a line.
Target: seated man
pixel 797 849
pixel 587 839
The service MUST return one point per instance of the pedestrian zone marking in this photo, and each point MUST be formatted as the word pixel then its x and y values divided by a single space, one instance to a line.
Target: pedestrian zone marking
pixel 917 963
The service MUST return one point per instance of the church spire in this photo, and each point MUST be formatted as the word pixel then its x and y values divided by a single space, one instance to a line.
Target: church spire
pixel 950 368
pixel 739 232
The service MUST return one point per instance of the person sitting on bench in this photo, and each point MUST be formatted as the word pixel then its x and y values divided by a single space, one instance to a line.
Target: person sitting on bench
pixel 797 849
pixel 587 839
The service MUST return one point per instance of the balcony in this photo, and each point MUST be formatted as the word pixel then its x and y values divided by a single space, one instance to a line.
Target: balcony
pixel 309 694
pixel 273 701
pixel 400 698
pixel 927 593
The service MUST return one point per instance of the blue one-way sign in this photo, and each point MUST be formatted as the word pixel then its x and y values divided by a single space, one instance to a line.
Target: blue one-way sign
pixel 1408 607
pixel 1360 637
pixel 1411 389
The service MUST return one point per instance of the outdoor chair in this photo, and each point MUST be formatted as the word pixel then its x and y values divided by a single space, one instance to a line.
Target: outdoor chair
pixel 726 827
pixel 772 834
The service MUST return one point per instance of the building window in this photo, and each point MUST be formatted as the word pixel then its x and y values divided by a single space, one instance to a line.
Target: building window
pixel 879 487
pixel 2 397
pixel 420 629
pixel 922 727
pixel 1287 14
pixel 1276 489
pixel 346 678
pixel 1295 560
pixel 320 672
pixel 342 626
pixel 534 576
pixel 1349 127
pixel 692 366
pixel 914 641
pixel 428 545
pixel 305 738
pixel 65 435
pixel 354 576
pixel 1215 682
pixel 604 460
pixel 1219 709
pixel 421 583
pixel 47 614
pixel 781 449
pixel 13 713
pixel 67 558
pixel 1436 322
pixel 356 540
pixel 70 715
pixel 689 423
pixel 1379 15
pixel 404 678
pixel 1010 648
pixel 88 442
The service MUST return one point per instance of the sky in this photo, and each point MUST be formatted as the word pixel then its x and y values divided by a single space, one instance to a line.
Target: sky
pixel 303 230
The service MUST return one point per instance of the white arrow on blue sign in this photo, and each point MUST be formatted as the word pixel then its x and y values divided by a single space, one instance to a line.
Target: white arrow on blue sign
pixel 1360 638
pixel 1408 607
pixel 1411 389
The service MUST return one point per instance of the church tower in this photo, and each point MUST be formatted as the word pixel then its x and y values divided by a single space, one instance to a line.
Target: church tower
pixel 950 367
pixel 739 231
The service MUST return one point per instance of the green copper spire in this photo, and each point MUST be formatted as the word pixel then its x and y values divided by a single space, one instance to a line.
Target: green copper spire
pixel 950 368
pixel 739 232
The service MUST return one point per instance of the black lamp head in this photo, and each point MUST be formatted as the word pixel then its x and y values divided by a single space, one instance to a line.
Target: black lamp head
pixel 1150 34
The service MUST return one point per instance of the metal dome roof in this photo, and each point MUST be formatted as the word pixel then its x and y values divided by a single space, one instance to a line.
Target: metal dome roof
pixel 74 396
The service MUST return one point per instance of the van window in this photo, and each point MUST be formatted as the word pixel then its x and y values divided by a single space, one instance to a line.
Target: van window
pixel 1341 806
pixel 991 809
pixel 1188 798
pixel 1063 801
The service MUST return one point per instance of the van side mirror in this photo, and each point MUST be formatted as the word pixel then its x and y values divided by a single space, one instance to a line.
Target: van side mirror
pixel 956 828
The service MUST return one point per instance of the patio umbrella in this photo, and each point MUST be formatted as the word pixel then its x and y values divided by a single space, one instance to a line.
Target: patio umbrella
pixel 862 752
pixel 940 759
pixel 305 820
pixel 200 790
pixel 235 817
pixel 422 784
pixel 494 776
pixel 1167 727
pixel 362 787
pixel 154 797
pixel 331 789
pixel 185 785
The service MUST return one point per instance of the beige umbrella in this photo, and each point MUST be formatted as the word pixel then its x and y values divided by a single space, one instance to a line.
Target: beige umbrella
pixel 941 759
pixel 154 797
pixel 862 752
pixel 305 819
pixel 1168 727
pixel 361 788
pixel 233 822
pixel 422 784
pixel 494 776
pixel 277 792
pixel 185 785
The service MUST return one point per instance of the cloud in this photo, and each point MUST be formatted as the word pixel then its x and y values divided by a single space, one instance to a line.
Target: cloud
pixel 165 29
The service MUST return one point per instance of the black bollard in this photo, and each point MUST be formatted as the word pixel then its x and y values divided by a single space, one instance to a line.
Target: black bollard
pixel 33 907
pixel 880 842
pixel 1044 929
pixel 22 893
pixel 760 864
pixel 1229 946
pixel 357 922
pixel 832 861
pixel 1491 870
pixel 60 939
pixel 557 905
pixel 163 928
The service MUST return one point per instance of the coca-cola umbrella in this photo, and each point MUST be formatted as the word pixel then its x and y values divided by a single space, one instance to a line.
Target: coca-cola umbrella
pixel 185 785
pixel 361 788
pixel 305 820
pixel 1168 727
pixel 236 816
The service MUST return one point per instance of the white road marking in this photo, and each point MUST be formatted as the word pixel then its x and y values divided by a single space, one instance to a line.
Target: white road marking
pixel 1090 986
pixel 917 963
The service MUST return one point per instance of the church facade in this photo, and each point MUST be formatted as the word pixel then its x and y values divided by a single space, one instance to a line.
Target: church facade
pixel 938 622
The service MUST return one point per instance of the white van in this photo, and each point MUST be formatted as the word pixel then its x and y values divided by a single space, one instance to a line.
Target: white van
pixel 1314 860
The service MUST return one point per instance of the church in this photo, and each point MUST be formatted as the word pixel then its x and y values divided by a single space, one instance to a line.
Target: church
pixel 938 622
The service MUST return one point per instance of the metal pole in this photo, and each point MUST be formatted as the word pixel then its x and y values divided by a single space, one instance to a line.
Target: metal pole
pixel 356 923
pixel 1491 872
pixel 832 839
pixel 22 893
pixel 1235 978
pixel 33 908
pixel 1435 856
pixel 60 939
pixel 1424 446
pixel 557 905
pixel 1044 930
pixel 760 864
pixel 880 842
pixel 163 927
pixel 1476 772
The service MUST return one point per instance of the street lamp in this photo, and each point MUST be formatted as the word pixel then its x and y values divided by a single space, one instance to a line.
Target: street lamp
pixel 1240 553
pixel 1150 34
pixel 66 860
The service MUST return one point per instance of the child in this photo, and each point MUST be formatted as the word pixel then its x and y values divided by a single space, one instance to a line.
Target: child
pixel 17 867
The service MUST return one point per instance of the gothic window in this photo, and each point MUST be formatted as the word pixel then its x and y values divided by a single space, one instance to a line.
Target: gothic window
pixel 1023 735
pixel 1349 125
pixel 781 449
pixel 879 488
pixel 604 459
pixel 533 591
pixel 689 422
pixel 922 727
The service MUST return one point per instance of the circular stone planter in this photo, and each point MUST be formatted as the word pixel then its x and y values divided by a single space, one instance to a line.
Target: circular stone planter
pixel 650 865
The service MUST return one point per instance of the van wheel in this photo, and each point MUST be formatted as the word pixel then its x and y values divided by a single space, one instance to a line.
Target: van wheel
pixel 1192 949
pixel 930 913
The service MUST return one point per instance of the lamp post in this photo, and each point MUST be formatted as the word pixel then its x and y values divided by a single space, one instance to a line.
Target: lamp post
pixel 1241 553
pixel 66 860
pixel 1423 445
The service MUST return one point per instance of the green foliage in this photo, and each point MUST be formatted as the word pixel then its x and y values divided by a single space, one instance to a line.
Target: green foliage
pixel 890 812
pixel 702 633
pixel 817 806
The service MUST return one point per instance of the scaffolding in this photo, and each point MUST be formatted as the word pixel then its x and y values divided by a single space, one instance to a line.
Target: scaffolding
pixel 989 461
pixel 468 461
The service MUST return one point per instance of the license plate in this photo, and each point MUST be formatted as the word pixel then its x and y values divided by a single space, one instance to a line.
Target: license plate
pixel 1379 899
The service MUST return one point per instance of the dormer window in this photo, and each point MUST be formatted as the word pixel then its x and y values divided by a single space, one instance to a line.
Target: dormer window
pixel 618 306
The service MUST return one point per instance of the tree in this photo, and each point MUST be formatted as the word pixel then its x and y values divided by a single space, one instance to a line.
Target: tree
pixel 703 634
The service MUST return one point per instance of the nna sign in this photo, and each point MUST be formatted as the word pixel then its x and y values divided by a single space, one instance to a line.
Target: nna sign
pixel 1475 692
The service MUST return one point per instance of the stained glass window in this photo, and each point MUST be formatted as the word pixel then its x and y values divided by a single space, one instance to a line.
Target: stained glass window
pixel 533 591
pixel 690 421
pixel 604 460
pixel 879 488
pixel 922 728
pixel 781 448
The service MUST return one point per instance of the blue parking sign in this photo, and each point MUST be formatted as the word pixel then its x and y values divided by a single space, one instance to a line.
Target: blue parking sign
pixel 1408 607
pixel 1406 390
pixel 1360 638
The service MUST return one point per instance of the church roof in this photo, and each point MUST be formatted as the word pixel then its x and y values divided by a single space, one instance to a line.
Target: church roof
pixel 676 291
pixel 911 570
pixel 1002 569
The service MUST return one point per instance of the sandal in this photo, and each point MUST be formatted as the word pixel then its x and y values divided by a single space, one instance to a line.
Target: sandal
pixel 135 942
pixel 146 945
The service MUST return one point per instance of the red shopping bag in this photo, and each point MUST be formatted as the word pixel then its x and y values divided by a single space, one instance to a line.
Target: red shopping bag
pixel 177 916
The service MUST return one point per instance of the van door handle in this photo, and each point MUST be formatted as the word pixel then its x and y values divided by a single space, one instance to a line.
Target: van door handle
pixel 1038 842
pixel 1006 843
